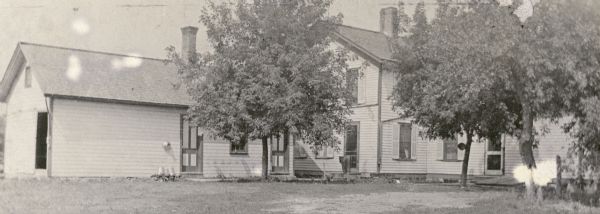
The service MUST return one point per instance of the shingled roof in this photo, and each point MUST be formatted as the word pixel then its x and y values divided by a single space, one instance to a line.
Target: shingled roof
pixel 373 43
pixel 100 75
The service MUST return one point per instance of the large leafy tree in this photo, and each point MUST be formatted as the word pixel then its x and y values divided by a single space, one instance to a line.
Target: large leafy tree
pixel 272 71
pixel 529 69
pixel 445 101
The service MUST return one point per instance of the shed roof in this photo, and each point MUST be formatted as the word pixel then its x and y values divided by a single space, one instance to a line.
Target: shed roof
pixel 80 73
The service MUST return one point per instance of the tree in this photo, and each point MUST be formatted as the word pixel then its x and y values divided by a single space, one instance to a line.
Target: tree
pixel 583 94
pixel 530 68
pixel 272 71
pixel 404 21
pixel 444 101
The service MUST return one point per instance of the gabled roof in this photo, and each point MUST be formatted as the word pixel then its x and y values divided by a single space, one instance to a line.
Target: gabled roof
pixel 101 75
pixel 375 44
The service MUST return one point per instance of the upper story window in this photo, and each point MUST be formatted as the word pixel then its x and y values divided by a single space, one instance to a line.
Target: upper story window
pixel 27 77
pixel 352 78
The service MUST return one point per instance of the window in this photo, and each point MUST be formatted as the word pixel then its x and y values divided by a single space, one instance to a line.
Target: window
pixel 402 141
pixel 27 77
pixel 299 151
pixel 352 84
pixel 450 149
pixel 324 152
pixel 239 147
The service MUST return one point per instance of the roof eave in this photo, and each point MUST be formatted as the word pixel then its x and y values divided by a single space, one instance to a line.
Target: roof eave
pixel 11 72
pixel 369 56
pixel 120 101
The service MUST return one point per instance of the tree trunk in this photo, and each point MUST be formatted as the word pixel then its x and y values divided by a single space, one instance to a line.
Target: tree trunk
pixel 465 163
pixel 265 157
pixel 526 146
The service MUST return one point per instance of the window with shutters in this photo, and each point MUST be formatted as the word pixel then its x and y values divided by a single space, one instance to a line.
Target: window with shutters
pixel 403 148
pixel 450 149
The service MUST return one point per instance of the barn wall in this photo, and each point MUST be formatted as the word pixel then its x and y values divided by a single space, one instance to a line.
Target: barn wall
pixel 22 107
pixel 98 139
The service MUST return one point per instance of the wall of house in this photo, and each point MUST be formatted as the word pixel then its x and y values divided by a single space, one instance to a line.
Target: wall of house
pixel 313 165
pixel 22 107
pixel 218 162
pixel 387 86
pixel 418 164
pixel 366 114
pixel 97 139
pixel 554 142
pixel 435 164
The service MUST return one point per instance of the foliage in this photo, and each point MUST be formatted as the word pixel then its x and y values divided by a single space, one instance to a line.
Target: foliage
pixel 584 92
pixel 479 60
pixel 271 70
pixel 446 101
pixel 404 21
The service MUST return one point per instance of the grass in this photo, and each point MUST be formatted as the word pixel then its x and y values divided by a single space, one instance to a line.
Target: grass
pixel 147 196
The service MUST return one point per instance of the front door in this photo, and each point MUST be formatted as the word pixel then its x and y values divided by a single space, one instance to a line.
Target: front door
pixel 351 148
pixel 279 154
pixel 494 157
pixel 191 148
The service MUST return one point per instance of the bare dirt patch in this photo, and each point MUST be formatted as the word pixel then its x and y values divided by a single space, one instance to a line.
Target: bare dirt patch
pixel 378 202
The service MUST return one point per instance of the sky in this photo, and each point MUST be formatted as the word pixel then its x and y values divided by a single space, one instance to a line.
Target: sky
pixel 137 27
pixel 142 27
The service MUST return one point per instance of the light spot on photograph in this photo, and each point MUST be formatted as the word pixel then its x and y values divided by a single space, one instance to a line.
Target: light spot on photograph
pixel 80 26
pixel 74 70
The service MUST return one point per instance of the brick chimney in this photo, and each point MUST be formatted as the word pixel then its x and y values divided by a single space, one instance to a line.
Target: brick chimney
pixel 388 21
pixel 188 43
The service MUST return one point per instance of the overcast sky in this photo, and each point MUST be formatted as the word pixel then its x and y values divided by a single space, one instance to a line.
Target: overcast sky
pixel 143 27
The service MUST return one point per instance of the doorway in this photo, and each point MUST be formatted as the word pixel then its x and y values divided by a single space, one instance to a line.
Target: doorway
pixel 279 154
pixel 351 148
pixel 40 140
pixel 191 148
pixel 494 156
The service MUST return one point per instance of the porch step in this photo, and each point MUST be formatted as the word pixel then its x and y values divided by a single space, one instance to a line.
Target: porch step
pixel 191 175
pixel 203 179
pixel 496 181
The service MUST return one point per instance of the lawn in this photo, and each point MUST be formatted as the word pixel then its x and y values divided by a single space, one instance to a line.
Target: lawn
pixel 147 196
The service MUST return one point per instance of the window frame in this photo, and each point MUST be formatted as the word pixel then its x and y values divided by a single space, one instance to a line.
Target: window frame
pixel 400 142
pixel 243 151
pixel 445 149
pixel 354 75
pixel 28 77
pixel 329 153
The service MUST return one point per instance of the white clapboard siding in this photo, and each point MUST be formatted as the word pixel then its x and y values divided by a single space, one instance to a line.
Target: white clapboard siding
pixel 367 145
pixel 218 162
pixel 387 86
pixel 435 164
pixel 99 139
pixel 389 165
pixel 313 164
pixel 551 144
pixel 21 125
